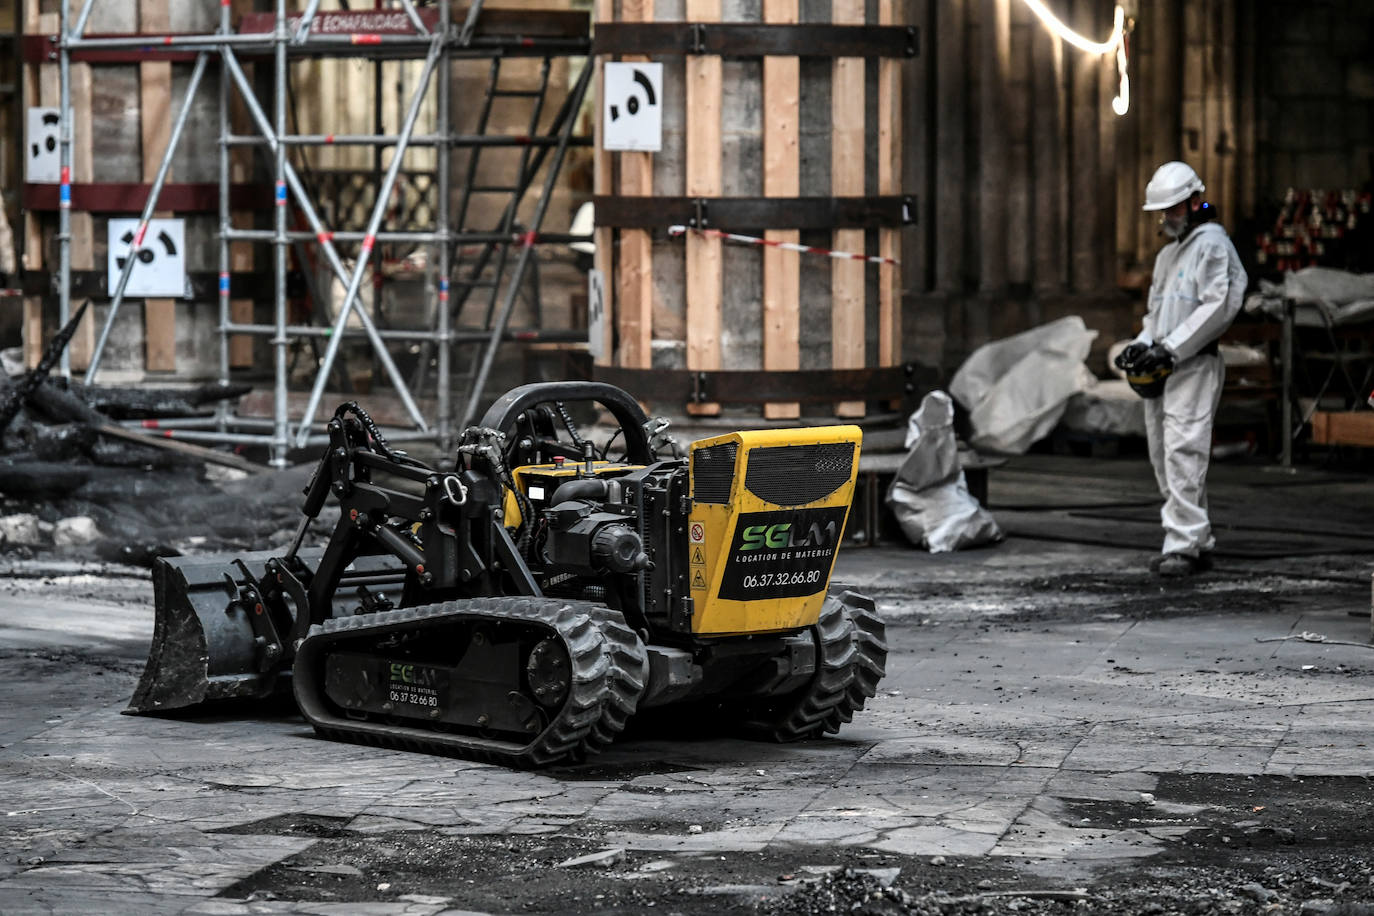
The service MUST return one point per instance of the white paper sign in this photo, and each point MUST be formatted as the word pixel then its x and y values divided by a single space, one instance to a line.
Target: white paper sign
pixel 632 110
pixel 596 314
pixel 42 157
pixel 160 264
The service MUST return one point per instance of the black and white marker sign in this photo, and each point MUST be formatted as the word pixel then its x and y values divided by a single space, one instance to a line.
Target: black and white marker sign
pixel 160 264
pixel 42 158
pixel 632 110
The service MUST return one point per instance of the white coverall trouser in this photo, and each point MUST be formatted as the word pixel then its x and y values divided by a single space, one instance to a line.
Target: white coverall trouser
pixel 1178 427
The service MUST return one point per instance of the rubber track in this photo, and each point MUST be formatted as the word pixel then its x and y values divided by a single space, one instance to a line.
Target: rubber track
pixel 851 655
pixel 608 664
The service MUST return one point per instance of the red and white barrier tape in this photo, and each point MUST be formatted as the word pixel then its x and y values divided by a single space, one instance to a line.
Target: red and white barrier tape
pixel 786 246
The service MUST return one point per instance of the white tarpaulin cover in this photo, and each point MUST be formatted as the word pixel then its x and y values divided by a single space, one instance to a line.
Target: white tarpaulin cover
pixel 929 495
pixel 1107 408
pixel 1016 389
pixel 1324 295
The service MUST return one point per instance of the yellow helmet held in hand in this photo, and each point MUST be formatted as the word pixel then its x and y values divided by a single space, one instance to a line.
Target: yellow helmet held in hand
pixel 1149 383
pixel 1150 370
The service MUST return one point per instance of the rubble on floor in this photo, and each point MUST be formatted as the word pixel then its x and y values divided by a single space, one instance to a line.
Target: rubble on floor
pixel 74 483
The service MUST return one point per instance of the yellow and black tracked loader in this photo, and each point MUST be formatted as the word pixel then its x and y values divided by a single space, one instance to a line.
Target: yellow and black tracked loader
pixel 520 606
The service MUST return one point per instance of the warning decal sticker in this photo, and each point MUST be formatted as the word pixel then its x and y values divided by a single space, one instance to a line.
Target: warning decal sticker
pixel 782 554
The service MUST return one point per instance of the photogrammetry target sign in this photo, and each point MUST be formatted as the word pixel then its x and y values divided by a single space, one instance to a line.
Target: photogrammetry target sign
pixel 596 314
pixel 160 264
pixel 632 111
pixel 42 157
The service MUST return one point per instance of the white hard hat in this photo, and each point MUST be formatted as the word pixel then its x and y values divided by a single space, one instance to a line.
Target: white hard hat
pixel 1171 183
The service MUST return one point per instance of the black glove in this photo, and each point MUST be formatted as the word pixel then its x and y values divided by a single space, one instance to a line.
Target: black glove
pixel 1156 357
pixel 1127 357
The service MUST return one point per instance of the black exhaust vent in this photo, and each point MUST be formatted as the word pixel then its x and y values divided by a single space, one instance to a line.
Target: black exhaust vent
pixel 713 470
pixel 795 475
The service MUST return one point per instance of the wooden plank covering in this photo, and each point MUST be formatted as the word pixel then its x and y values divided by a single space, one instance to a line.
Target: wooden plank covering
pixel 635 277
pixel 889 182
pixel 604 166
pixel 704 264
pixel 1332 428
pixel 847 179
pixel 42 88
pixel 155 103
pixel 781 178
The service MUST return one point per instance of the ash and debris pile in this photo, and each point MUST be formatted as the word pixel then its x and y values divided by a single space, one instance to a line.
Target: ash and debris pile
pixel 1162 892
pixel 74 484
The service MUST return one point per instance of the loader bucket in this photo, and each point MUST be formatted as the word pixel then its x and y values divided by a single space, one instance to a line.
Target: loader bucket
pixel 202 648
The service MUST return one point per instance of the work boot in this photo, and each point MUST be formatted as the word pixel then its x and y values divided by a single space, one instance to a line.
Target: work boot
pixel 1201 563
pixel 1177 565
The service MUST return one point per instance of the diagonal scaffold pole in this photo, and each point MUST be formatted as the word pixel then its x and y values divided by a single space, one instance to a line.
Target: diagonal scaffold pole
pixel 373 224
pixel 322 235
pixel 414 18
pixel 526 252
pixel 149 207
pixel 443 419
pixel 308 17
pixel 461 290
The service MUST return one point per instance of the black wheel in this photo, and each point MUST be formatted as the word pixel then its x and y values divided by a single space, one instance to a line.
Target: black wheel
pixel 851 658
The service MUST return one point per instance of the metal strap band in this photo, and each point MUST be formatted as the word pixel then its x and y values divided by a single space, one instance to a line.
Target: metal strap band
pixel 756 40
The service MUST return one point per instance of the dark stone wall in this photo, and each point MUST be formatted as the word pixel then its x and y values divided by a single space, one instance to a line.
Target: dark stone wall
pixel 1316 95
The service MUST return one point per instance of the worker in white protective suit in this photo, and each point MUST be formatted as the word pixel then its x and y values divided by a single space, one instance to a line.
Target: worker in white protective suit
pixel 1196 292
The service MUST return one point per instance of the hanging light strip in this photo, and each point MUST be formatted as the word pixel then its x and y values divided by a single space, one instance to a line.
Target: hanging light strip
pixel 1115 42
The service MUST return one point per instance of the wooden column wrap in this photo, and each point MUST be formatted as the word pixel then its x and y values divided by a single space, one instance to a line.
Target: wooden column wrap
pixel 704 260
pixel 839 200
pixel 155 113
pixel 847 178
pixel 634 279
pixel 781 178
pixel 889 182
pixel 602 183
pixel 41 83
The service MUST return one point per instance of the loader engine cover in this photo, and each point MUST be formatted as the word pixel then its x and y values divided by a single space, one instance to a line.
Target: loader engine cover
pixel 767 514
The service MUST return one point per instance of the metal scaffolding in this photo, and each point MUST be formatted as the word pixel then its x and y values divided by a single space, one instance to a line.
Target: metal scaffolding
pixel 429 35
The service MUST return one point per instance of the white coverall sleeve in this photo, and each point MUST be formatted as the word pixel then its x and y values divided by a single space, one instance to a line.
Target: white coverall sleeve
pixel 1146 335
pixel 1217 305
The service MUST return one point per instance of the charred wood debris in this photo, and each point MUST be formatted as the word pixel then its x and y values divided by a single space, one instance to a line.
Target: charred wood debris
pixel 76 483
